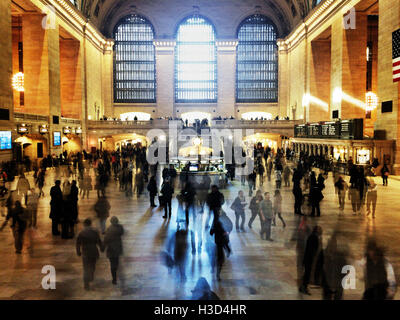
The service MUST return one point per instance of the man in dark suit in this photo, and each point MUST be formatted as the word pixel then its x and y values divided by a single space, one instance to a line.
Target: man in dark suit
pixel 88 240
pixel 56 205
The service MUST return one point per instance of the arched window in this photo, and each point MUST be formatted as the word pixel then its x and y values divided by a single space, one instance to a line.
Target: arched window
pixel 257 61
pixel 134 61
pixel 195 61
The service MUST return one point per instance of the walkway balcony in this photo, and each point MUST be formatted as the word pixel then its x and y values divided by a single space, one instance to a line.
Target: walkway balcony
pixel 283 127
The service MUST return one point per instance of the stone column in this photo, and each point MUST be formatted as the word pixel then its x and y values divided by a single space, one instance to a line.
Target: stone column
pixel 389 21
pixel 320 73
pixel 226 73
pixel 41 57
pixel 6 93
pixel 283 73
pixel 71 78
pixel 165 63
pixel 107 79
pixel 348 67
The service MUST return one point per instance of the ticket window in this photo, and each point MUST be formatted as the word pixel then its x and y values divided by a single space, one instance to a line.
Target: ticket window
pixel 363 156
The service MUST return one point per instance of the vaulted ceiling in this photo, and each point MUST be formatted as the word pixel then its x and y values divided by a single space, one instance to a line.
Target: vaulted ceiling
pixel 225 14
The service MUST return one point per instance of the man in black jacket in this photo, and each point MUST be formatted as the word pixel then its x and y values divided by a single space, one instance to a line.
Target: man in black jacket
pixel 86 246
pixel 56 205
pixel 167 191
pixel 215 200
pixel 152 188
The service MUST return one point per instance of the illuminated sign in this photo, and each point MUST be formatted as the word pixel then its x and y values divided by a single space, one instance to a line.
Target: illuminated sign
pixel 57 138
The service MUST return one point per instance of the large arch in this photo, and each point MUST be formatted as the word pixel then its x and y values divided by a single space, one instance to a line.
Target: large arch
pixel 134 60
pixel 195 60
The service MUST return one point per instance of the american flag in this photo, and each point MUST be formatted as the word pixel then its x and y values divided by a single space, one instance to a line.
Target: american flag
pixel 396 55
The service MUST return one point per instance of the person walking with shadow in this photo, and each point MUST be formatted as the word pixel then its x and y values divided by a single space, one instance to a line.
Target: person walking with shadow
pixel 87 245
pixel 113 246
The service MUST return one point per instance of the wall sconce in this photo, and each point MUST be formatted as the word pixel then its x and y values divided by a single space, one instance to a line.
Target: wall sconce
pixel 78 130
pixel 22 128
pixel 67 130
pixel 18 82
pixel 44 128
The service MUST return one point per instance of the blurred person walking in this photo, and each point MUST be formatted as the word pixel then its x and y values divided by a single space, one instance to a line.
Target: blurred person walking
pixel 277 207
pixel 113 246
pixel 102 208
pixel 372 195
pixel 238 206
pixel 87 245
pixel 266 215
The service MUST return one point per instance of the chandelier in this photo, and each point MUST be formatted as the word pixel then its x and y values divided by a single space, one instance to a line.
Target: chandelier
pixel 18 82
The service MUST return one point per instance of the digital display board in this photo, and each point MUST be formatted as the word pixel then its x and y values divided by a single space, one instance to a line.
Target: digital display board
pixel 57 138
pixel 5 140
pixel 342 129
pixel 300 131
pixel 330 130
pixel 313 130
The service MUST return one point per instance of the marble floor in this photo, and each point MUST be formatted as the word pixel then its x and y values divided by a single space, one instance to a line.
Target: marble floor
pixel 258 269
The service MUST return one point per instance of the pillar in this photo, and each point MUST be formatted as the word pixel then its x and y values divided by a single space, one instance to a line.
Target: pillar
pixel 165 64
pixel 107 79
pixel 41 57
pixel 41 66
pixel 71 78
pixel 6 93
pixel 320 73
pixel 226 73
pixel 348 67
pixel 283 80
pixel 389 21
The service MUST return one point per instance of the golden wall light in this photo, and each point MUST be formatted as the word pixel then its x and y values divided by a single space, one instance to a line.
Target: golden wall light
pixel 371 101
pixel 18 82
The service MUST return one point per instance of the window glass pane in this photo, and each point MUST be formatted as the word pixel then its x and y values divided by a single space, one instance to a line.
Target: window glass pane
pixel 257 61
pixel 134 61
pixel 195 61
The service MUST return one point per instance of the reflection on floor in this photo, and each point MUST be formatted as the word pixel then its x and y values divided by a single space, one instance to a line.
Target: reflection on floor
pixel 257 269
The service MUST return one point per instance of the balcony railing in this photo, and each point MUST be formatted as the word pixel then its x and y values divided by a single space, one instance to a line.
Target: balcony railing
pixel 70 121
pixel 30 117
pixel 217 124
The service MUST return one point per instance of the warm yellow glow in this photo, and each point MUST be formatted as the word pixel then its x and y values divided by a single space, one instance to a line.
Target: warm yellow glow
pixel 194 151
pixel 307 99
pixel 337 95
pixel 353 100
pixel 192 116
pixel 256 115
pixel 142 116
pixel 197 141
pixel 18 82
pixel 371 101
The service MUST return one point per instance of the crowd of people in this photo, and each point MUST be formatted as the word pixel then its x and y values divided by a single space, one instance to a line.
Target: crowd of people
pixel 133 175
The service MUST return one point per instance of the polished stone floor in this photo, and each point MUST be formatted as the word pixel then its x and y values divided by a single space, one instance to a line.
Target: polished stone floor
pixel 258 269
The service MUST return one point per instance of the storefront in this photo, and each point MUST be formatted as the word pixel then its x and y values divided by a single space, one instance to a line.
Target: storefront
pixel 361 151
